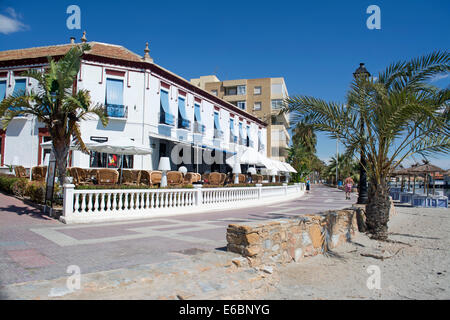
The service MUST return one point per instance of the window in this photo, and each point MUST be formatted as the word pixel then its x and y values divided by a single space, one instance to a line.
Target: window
pixel 2 90
pixel 257 106
pixel 230 91
pixel 108 160
pixel 277 104
pixel 248 136
pixel 241 105
pixel 183 121
pixel 217 131
pixel 165 116
pixel 114 98
pixel 198 126
pixel 19 88
pixel 277 88
pixel 233 137
pixel 257 91
pixel 214 92
pixel 241 89
pixel 46 152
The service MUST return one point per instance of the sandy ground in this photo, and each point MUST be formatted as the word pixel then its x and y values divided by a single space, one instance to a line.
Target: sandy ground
pixel 414 265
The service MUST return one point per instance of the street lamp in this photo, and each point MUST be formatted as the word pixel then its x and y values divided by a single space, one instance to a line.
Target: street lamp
pixel 362 186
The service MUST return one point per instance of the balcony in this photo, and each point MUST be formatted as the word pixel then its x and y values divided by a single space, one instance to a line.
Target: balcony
pixel 241 141
pixel 233 138
pixel 184 123
pixel 116 111
pixel 199 128
pixel 218 134
pixel 261 147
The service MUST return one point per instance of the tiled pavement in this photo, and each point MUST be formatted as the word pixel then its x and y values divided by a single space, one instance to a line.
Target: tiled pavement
pixel 35 247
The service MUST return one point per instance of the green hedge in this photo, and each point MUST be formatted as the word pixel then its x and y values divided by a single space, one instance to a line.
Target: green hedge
pixel 7 182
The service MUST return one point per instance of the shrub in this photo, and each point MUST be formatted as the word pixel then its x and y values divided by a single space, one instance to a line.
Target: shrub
pixel 19 187
pixel 36 191
pixel 6 183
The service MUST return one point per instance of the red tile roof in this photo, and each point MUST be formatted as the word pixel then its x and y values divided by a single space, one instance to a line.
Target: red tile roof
pixel 97 48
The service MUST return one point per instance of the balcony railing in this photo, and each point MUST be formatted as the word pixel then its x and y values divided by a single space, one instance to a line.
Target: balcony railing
pixel 199 128
pixel 233 138
pixel 241 141
pixel 261 147
pixel 184 123
pixel 117 111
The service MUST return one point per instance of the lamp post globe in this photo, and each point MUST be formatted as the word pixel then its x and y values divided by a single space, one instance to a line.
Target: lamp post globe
pixel 361 71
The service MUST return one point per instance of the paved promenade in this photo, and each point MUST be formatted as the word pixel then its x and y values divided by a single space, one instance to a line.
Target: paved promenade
pixel 36 247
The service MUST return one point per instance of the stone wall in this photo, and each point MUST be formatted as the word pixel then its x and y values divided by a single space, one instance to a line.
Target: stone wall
pixel 286 240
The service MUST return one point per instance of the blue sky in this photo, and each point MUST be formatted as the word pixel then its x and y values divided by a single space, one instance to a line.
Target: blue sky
pixel 314 45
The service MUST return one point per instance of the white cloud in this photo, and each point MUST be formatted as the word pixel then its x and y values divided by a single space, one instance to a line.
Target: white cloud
pixel 440 76
pixel 10 23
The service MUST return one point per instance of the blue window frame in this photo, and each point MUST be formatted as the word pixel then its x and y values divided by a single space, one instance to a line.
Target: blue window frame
pixel 114 98
pixel 165 116
pixel 2 90
pixel 183 121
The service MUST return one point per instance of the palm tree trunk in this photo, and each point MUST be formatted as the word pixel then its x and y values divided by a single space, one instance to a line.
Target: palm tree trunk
pixel 61 154
pixel 377 210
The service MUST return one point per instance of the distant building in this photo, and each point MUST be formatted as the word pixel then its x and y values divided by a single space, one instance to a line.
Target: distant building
pixel 259 97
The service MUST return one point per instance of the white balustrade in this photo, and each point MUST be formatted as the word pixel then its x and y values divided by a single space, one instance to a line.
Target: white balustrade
pixel 113 204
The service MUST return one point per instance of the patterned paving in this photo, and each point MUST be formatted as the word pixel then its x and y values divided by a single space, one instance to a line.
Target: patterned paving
pixel 33 247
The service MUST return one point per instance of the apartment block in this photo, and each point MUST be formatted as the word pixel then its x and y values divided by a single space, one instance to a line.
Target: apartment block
pixel 262 98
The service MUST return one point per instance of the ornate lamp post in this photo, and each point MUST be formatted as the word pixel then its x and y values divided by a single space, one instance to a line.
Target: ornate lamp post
pixel 362 186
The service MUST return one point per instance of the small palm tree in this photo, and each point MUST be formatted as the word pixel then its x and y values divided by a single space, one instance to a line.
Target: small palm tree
pixel 55 104
pixel 389 119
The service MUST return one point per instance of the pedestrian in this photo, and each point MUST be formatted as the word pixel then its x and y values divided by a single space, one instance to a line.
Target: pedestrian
pixel 308 186
pixel 348 187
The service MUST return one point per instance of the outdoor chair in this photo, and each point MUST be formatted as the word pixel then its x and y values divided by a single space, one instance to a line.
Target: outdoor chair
pixel 223 177
pixel 107 176
pixel 131 177
pixel 174 178
pixel 189 178
pixel 155 177
pixel 242 178
pixel 21 172
pixel 145 178
pixel 38 173
pixel 215 179
pixel 197 177
pixel 83 176
pixel 257 178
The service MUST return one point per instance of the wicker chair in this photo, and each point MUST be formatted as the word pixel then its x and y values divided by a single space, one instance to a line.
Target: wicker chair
pixel 215 178
pixel 107 176
pixel 38 173
pixel 242 178
pixel 257 178
pixel 131 177
pixel 82 176
pixel 223 177
pixel 174 178
pixel 145 178
pixel 21 172
pixel 197 177
pixel 155 177
pixel 189 178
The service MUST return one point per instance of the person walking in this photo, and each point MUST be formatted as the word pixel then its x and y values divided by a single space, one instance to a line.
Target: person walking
pixel 308 186
pixel 348 187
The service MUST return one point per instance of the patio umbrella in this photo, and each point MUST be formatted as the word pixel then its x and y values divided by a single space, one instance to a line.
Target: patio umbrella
pixel 250 156
pixel 122 146
pixel 427 169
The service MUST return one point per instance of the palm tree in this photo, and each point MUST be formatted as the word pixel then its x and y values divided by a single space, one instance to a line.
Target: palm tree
pixel 402 114
pixel 55 103
pixel 305 135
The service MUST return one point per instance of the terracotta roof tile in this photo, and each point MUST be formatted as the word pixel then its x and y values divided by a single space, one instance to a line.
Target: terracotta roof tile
pixel 97 48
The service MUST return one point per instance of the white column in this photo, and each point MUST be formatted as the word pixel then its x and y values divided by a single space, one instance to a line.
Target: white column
pixel 68 200
pixel 198 194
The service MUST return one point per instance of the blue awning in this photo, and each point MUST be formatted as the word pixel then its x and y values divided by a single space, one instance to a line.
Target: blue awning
pixel 2 90
pixel 197 113
pixel 241 132
pixel 184 121
pixel 114 91
pixel 216 121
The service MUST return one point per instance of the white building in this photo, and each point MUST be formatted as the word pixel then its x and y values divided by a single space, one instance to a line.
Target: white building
pixel 144 102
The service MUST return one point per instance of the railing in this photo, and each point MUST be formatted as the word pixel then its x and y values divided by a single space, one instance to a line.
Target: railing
pixel 233 139
pixel 199 128
pixel 218 134
pixel 116 204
